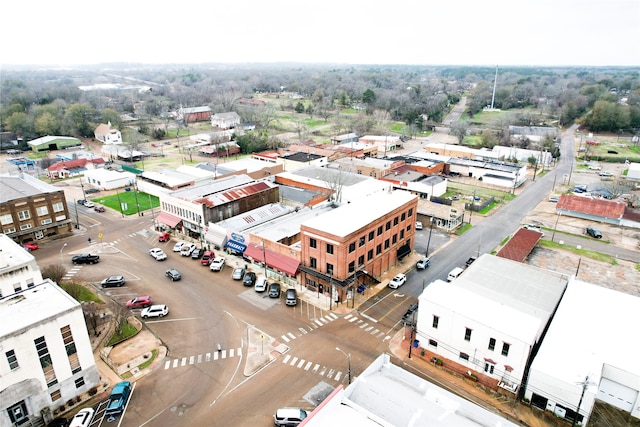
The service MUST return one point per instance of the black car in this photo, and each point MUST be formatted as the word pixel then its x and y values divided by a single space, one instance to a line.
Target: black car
pixel 249 278
pixel 197 254
pixel 594 233
pixel 85 259
pixel 274 290
pixel 112 281
pixel 91 191
pixel 173 274
pixel 82 201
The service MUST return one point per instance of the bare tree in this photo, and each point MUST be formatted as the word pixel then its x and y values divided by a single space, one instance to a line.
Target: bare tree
pixel 91 316
pixel 120 315
pixel 55 272
pixel 459 129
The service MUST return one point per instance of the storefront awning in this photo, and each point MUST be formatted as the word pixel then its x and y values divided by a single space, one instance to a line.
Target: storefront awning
pixel 216 235
pixel 168 219
pixel 274 260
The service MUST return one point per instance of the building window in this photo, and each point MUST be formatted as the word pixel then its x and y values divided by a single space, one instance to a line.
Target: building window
pixel 313 243
pixel 24 215
pixel 387 226
pixel 378 249
pixel 25 227
pixel 61 217
pixel 13 361
pixel 313 263
pixel 395 221
pixel 70 347
pixel 488 367
pixel 410 212
pixel 360 260
pixel 371 235
pixel 492 344
pixel 386 244
pixel 433 343
pixel 9 230
pixel 58 207
pixel 42 210
pixel 46 221
pixel 467 334
pixel 79 382
pixel 401 234
pixel 464 356
pixel 435 322
pixel 379 230
pixel 6 219
pixel 55 395
pixel 403 216
pixel 505 349
pixel 361 242
pixel 370 255
pixel 352 247
pixel 18 413
pixel 394 239
pixel 329 249
pixel 352 266
pixel 329 268
pixel 45 361
pixel 17 287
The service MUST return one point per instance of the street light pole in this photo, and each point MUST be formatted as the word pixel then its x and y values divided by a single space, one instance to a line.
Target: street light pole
pixel 429 239
pixel 348 362
pixel 61 249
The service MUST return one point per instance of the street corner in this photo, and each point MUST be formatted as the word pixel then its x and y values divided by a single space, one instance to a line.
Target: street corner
pixel 262 349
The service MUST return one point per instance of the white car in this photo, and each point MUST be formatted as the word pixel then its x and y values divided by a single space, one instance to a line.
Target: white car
pixel 594 167
pixel 261 284
pixel 187 248
pixel 397 281
pixel 178 246
pixel 89 204
pixel 82 418
pixel 159 310
pixel 158 254
pixel 418 225
pixel 217 264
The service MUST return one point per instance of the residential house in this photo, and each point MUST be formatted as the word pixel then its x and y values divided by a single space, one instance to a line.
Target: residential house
pixel 489 321
pixel 47 359
pixel 227 120
pixel 107 134
pixel 31 209
pixel 71 168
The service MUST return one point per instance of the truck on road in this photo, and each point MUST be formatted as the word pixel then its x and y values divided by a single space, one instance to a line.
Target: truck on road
pixel 118 398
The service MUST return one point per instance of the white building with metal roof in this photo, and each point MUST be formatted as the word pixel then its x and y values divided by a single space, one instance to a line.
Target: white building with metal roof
pixel 589 352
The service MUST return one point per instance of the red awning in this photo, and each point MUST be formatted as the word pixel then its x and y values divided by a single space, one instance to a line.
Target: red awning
pixel 168 219
pixel 275 260
pixel 490 361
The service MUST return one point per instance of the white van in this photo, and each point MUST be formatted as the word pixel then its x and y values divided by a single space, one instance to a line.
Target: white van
pixel 453 274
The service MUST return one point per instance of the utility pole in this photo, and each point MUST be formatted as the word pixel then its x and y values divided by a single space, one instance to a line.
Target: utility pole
pixel 429 240
pixel 584 384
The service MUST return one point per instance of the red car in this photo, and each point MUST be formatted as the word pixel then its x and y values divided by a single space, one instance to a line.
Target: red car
pixel 99 209
pixel 207 257
pixel 164 237
pixel 31 246
pixel 139 302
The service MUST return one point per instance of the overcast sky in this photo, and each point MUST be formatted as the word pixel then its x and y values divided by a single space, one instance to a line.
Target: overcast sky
pixel 431 32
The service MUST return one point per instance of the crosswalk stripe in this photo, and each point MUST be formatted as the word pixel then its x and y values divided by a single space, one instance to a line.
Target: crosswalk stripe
pixel 293 362
pixel 315 368
pixel 192 360
pixel 303 330
pixel 230 352
pixel 369 328
pixel 338 375
pixel 375 331
pixel 199 358
pixel 284 338
pixel 333 316
pixel 184 361
pixel 330 374
pixel 353 319
pixel 293 337
pixel 348 316
pixel 306 368
pixel 208 357
pixel 167 364
pixel 301 363
pixel 318 322
pixel 364 325
pixel 216 355
pixel 286 358
pixel 175 362
pixel 322 371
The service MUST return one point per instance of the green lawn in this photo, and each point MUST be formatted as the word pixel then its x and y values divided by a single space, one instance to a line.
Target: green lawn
pixel 145 200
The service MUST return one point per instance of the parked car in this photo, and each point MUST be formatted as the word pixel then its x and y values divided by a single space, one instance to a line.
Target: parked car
pixel 83 418
pixel 197 253
pixel 595 167
pixel 398 281
pixel 164 237
pixel 217 264
pixel 470 261
pixel 85 259
pixel 238 273
pixel 554 199
pixel 118 398
pixel 605 173
pixel 31 246
pixel 261 284
pixel 418 225
pixel 594 233
pixel 249 278
pixel 158 254
pixel 112 282
pixel 82 202
pixel 139 302
pixel 274 290
pixel 173 274
pixel 99 209
pixel 89 204
pixel 291 297
pixel 187 249
pixel 91 191
pixel 289 416
pixel 178 246
pixel 207 258
pixel 533 228
pixel 423 263
pixel 160 310
pixel 409 313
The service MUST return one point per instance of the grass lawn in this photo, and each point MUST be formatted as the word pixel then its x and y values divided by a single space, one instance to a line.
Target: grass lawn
pixel 81 294
pixel 128 330
pixel 128 198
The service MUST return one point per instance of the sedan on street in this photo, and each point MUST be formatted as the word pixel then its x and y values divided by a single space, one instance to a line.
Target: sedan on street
pixel 178 246
pixel 31 246
pixel 173 274
pixel 85 259
pixel 158 254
